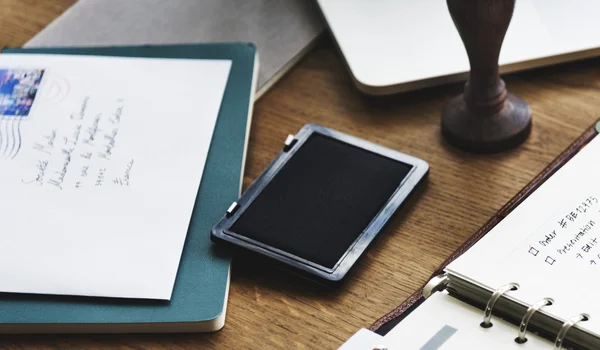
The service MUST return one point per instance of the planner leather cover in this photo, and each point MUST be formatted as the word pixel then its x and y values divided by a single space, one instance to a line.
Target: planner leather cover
pixel 200 293
pixel 387 322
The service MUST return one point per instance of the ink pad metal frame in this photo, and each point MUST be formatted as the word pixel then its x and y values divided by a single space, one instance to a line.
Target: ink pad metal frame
pixel 222 233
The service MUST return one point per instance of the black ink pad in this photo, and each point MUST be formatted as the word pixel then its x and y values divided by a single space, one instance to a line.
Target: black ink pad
pixel 321 202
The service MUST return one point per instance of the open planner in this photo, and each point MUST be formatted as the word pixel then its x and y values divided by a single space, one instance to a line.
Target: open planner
pixel 525 280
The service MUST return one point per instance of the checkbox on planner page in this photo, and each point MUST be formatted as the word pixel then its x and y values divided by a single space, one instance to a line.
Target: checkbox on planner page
pixel 533 251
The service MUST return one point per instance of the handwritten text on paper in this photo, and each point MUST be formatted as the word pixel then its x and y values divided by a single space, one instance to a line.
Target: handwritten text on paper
pixel 572 237
pixel 80 153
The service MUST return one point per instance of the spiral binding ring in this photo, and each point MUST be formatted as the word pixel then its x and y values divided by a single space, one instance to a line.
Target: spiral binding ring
pixel 487 316
pixel 565 328
pixel 525 320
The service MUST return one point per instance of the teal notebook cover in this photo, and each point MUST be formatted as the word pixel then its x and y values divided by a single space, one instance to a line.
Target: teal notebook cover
pixel 199 297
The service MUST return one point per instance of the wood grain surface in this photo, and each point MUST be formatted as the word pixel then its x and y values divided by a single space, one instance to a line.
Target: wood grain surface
pixel 270 309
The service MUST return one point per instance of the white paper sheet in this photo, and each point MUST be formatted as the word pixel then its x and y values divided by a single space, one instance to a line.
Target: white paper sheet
pixel 364 339
pixel 445 323
pixel 549 245
pixel 99 176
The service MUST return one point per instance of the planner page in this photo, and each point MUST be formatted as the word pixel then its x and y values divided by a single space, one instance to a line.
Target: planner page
pixel 442 322
pixel 101 161
pixel 549 245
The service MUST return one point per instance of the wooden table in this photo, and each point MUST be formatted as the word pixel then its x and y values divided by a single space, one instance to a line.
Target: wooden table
pixel 269 309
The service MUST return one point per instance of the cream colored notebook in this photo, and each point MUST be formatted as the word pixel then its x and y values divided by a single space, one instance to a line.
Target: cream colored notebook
pixel 283 31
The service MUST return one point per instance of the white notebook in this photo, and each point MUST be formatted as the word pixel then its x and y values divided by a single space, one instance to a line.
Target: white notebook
pixel 537 266
pixel 397 46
